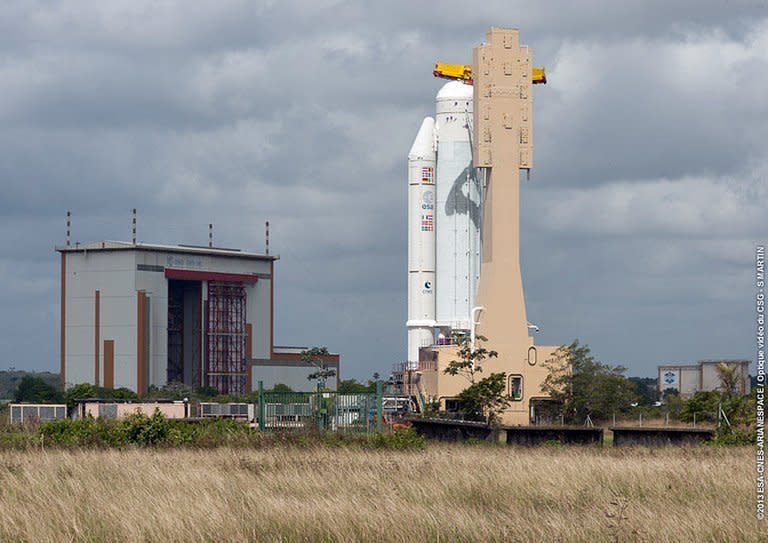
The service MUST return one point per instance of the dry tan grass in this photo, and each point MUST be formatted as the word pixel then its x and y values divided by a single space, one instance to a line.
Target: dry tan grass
pixel 444 493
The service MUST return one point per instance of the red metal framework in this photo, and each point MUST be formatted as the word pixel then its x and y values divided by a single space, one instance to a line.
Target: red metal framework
pixel 226 337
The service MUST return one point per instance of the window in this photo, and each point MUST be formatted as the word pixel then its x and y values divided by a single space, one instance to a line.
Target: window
pixel 452 405
pixel 516 387
pixel 532 356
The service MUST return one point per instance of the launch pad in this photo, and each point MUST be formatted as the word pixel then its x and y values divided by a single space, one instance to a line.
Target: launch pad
pixel 464 228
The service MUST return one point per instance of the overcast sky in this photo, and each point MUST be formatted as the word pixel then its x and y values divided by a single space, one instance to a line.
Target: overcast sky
pixel 639 224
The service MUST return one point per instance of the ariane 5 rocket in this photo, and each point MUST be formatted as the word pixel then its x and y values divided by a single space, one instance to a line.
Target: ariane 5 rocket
pixel 444 223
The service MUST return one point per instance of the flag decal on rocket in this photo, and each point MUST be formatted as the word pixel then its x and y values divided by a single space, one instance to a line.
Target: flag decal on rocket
pixel 427 223
pixel 427 176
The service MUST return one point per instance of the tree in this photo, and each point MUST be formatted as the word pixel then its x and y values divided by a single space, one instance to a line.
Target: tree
pixel 484 399
pixel 80 391
pixel 738 410
pixel 471 358
pixel 121 393
pixel 352 386
pixel 282 388
pixel 314 357
pixel 729 379
pixel 584 386
pixel 703 405
pixel 84 391
pixel 645 388
pixel 35 390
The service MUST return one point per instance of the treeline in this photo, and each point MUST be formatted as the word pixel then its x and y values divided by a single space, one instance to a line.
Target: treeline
pixel 34 388
pixel 583 389
pixel 11 380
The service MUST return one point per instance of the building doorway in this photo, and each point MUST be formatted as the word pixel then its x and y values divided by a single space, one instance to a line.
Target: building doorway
pixel 184 332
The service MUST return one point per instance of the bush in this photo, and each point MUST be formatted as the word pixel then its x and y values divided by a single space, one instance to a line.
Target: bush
pixel 703 404
pixel 736 436
pixel 143 430
pixel 140 430
pixel 404 438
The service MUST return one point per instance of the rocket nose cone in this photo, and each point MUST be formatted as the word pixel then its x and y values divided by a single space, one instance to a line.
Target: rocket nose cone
pixel 455 90
pixel 423 145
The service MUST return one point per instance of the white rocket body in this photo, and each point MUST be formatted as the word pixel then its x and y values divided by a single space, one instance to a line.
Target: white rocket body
pixel 421 241
pixel 444 223
pixel 458 209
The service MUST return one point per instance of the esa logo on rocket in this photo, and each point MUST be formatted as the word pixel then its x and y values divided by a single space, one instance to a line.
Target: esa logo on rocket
pixel 427 287
pixel 427 200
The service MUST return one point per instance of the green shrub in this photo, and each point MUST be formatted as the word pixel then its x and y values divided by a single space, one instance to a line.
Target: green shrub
pixel 143 430
pixel 736 436
pixel 406 438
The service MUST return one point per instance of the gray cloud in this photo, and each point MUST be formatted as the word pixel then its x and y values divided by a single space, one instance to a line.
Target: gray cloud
pixel 638 225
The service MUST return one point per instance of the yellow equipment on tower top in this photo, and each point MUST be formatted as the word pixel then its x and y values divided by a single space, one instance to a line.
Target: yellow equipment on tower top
pixel 463 73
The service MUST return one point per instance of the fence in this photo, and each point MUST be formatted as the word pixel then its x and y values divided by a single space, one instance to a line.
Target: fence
pixel 237 411
pixel 320 410
pixel 659 419
pixel 25 413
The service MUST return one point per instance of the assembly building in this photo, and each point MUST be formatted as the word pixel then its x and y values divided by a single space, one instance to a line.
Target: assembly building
pixel 135 315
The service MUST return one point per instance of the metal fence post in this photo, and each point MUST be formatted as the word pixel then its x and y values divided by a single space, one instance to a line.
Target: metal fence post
pixel 379 407
pixel 262 408
pixel 319 400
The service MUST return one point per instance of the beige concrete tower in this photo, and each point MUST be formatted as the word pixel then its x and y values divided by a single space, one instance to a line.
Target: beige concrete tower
pixel 503 132
pixel 502 136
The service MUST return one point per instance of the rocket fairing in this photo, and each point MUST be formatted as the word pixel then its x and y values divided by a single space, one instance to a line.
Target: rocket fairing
pixel 421 241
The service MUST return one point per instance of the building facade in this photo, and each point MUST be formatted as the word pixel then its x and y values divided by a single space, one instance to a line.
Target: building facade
pixel 689 379
pixel 138 315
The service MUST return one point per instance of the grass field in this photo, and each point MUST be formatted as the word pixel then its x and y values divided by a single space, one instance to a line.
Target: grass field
pixel 442 493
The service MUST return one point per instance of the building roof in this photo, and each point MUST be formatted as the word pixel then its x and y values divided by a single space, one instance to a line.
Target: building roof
pixel 108 245
pixel 293 350
pixel 726 360
pixel 701 363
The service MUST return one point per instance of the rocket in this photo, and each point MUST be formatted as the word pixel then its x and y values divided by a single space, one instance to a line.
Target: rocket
pixel 444 223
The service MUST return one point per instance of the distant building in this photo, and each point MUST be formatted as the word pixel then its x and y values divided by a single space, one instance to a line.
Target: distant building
pixel 693 378
pixel 135 315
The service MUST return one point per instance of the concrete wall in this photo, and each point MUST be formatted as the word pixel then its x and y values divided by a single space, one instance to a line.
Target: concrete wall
pixel 155 285
pixel 175 410
pixel 689 381
pixel 114 276
pixel 660 437
pixel 259 315
pixel 457 431
pixel 437 385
